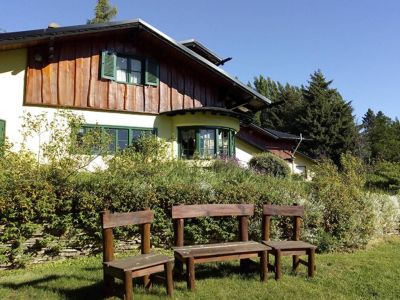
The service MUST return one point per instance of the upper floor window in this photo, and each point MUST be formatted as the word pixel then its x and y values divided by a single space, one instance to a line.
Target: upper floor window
pixel 129 69
pixel 207 142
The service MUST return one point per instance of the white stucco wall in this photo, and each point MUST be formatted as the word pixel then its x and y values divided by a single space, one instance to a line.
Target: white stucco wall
pixel 244 152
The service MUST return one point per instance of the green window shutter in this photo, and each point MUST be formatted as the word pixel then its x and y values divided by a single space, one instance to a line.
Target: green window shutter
pixel 152 72
pixel 108 65
pixel 2 133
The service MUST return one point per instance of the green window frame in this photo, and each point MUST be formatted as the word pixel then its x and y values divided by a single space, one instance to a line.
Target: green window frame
pixel 137 70
pixel 121 136
pixel 206 141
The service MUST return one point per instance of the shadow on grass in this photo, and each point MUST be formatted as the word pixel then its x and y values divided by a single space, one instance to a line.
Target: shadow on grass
pixel 91 291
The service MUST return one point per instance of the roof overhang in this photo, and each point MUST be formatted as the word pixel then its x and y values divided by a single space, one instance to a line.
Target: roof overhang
pixel 253 101
pixel 213 110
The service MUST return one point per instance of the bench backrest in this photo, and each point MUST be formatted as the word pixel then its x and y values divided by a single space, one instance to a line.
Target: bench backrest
pixel 111 220
pixel 181 212
pixel 294 211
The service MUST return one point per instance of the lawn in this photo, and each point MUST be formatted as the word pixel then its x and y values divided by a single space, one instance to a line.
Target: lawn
pixel 373 273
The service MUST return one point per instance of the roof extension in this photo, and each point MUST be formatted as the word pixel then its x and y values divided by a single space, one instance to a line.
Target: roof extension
pixel 22 39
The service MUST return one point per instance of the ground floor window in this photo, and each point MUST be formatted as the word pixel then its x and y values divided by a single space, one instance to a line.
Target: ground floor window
pixel 120 137
pixel 206 142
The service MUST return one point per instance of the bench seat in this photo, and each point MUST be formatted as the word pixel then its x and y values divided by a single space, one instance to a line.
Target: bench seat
pixel 215 252
pixel 138 262
pixel 289 245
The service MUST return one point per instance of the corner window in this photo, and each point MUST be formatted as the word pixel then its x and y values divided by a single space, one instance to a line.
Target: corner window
pixel 129 69
pixel 206 142
pixel 120 137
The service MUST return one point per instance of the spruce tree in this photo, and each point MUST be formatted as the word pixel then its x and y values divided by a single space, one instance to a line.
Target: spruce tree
pixel 326 119
pixel 104 12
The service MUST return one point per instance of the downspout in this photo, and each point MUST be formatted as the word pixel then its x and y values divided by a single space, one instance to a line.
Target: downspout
pixel 294 152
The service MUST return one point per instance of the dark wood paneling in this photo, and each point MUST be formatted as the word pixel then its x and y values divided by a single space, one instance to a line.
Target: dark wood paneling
pixel 71 79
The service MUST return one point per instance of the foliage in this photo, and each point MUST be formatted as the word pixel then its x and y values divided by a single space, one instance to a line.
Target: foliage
pixel 63 201
pixel 385 176
pixel 270 164
pixel 317 111
pixel 345 218
pixel 104 12
pixel 381 136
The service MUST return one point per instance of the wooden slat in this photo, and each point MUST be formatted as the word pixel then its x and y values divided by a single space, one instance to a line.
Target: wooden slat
pixel 165 100
pixel 176 101
pixel 49 81
pixel 197 94
pixel 34 81
pixel 212 210
pixel 219 258
pixel 147 271
pixel 284 245
pixel 139 98
pixel 94 75
pixel 283 210
pixel 66 76
pixel 83 57
pixel 152 99
pixel 138 262
pixel 208 250
pixel 129 218
pixel 188 96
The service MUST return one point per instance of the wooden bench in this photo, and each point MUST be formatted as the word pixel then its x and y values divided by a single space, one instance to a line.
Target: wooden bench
pixel 190 255
pixel 283 248
pixel 137 266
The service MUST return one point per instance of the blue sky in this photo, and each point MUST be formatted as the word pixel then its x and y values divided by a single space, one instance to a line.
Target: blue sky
pixel 354 42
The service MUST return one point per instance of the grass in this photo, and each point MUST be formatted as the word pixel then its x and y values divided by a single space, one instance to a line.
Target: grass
pixel 366 274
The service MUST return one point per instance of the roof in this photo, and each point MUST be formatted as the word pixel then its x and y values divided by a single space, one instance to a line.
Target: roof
pixel 200 49
pixel 32 37
pixel 275 133
pixel 214 110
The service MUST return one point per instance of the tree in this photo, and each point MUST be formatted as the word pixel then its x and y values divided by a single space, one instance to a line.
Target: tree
pixel 104 12
pixel 279 117
pixel 326 119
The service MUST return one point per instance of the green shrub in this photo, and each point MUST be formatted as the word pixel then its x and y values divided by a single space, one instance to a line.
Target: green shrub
pixel 267 163
pixel 345 217
pixel 385 176
pixel 64 202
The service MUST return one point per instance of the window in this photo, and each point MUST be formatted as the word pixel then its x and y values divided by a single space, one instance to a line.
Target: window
pixel 121 137
pixel 127 69
pixel 206 142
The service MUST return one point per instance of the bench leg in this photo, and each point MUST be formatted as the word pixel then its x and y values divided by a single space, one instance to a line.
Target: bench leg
pixel 278 267
pixel 128 286
pixel 170 280
pixel 296 260
pixel 264 265
pixel 190 277
pixel 311 262
pixel 147 282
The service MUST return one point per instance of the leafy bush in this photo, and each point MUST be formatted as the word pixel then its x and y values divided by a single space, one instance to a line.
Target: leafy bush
pixel 63 201
pixel 345 216
pixel 267 163
pixel 385 176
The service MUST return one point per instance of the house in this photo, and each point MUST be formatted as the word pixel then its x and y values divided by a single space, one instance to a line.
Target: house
pixel 252 139
pixel 129 79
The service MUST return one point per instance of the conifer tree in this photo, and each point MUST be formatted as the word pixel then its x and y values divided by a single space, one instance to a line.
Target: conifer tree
pixel 326 119
pixel 104 12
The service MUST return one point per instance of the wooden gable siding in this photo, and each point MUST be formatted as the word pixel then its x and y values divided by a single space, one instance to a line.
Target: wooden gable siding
pixel 71 79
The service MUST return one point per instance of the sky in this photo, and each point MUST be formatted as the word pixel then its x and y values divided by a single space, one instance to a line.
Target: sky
pixel 355 43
